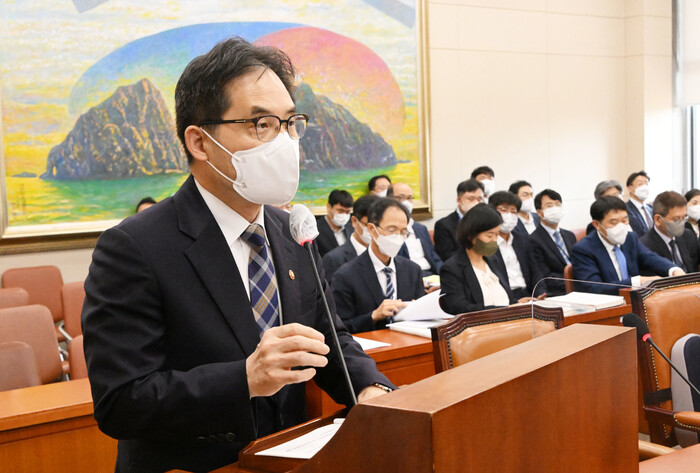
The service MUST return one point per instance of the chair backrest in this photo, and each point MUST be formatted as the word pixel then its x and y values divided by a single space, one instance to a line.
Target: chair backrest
pixel 579 233
pixel 13 297
pixel 43 283
pixel 568 274
pixel 671 309
pixel 470 336
pixel 33 325
pixel 76 355
pixel 73 296
pixel 18 366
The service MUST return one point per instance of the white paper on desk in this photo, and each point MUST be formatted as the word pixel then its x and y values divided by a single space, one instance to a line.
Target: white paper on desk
pixel 425 308
pixel 305 446
pixel 368 344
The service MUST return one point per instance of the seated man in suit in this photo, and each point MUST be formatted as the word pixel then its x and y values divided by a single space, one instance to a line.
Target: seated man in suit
pixel 639 212
pixel 469 193
pixel 370 289
pixel 358 241
pixel 379 185
pixel 613 254
pixel 334 228
pixel 608 187
pixel 514 253
pixel 487 178
pixel 528 220
pixel 418 247
pixel 551 244
pixel 669 237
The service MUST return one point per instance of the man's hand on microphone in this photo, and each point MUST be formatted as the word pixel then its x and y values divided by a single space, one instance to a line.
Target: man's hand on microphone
pixel 282 348
pixel 387 308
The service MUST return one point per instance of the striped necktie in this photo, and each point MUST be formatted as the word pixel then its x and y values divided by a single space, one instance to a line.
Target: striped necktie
pixel 389 289
pixel 562 248
pixel 263 290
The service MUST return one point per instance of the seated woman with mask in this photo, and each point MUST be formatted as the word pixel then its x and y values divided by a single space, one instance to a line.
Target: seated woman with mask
pixel 471 280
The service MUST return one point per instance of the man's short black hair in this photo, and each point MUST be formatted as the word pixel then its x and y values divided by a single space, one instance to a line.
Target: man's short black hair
pixel 374 180
pixel 360 208
pixel 470 185
pixel 480 218
pixel 504 198
pixel 664 202
pixel 515 187
pixel 482 170
pixel 691 193
pixel 145 200
pixel 340 196
pixel 601 207
pixel 200 93
pixel 635 175
pixel 552 194
pixel 379 207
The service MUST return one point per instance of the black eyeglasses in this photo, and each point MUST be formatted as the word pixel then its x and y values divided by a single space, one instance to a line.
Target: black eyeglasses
pixel 268 127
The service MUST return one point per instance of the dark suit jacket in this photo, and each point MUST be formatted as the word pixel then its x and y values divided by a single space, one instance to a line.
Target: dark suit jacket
pixel 687 247
pixel 424 236
pixel 549 259
pixel 461 289
pixel 326 238
pixel 591 262
pixel 357 292
pixel 337 257
pixel 528 263
pixel 520 226
pixel 168 327
pixel 637 220
pixel 446 236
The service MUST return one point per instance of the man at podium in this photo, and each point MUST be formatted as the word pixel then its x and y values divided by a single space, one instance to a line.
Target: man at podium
pixel 202 319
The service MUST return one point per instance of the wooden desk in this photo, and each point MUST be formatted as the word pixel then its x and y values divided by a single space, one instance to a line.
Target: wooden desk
pixel 408 359
pixel 609 316
pixel 51 429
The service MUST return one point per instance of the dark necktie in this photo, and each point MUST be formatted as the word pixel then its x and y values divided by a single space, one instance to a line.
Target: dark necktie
pixel 389 294
pixel 676 254
pixel 263 290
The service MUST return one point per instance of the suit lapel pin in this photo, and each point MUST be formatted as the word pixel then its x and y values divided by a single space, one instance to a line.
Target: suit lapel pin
pixel 291 275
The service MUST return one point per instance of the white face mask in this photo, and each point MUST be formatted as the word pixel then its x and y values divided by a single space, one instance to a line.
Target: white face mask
pixel 339 220
pixel 365 236
pixel 694 212
pixel 381 193
pixel 509 222
pixel 408 205
pixel 642 192
pixel 617 234
pixel 266 174
pixel 528 205
pixel 489 186
pixel 553 215
pixel 389 245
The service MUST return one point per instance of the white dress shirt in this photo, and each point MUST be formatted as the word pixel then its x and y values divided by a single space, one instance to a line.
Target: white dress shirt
pixel 641 206
pixel 491 288
pixel 415 248
pixel 381 275
pixel 515 273
pixel 359 247
pixel 529 223
pixel 338 234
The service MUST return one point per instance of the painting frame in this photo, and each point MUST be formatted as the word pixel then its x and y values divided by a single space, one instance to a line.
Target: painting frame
pixel 81 235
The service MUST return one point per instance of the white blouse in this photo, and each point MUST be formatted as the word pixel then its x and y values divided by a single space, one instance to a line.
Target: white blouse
pixel 491 288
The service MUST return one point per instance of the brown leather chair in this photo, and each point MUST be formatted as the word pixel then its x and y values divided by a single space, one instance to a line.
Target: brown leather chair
pixel 470 336
pixel 13 297
pixel 671 309
pixel 568 274
pixel 43 283
pixel 579 233
pixel 18 366
pixel 73 295
pixel 33 325
pixel 76 356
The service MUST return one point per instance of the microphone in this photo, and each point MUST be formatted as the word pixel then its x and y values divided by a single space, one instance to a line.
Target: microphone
pixel 302 226
pixel 633 320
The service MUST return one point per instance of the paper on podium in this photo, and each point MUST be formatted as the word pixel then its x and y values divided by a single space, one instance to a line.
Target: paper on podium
pixel 305 446
pixel 425 308
pixel 368 344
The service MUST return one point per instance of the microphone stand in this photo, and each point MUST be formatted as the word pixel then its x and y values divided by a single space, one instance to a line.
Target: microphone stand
pixel 307 245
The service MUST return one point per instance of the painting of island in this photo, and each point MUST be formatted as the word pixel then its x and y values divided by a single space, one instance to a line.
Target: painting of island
pixel 88 123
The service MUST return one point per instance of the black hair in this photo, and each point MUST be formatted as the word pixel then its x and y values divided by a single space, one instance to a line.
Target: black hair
pixel 691 193
pixel 339 196
pixel 482 170
pixel 200 93
pixel 504 198
pixel 664 202
pixel 480 218
pixel 374 180
pixel 635 175
pixel 601 207
pixel 552 194
pixel 515 187
pixel 379 207
pixel 360 208
pixel 470 185
pixel 145 200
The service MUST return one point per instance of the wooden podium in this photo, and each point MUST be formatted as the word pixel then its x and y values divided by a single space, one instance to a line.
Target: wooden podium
pixel 563 402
